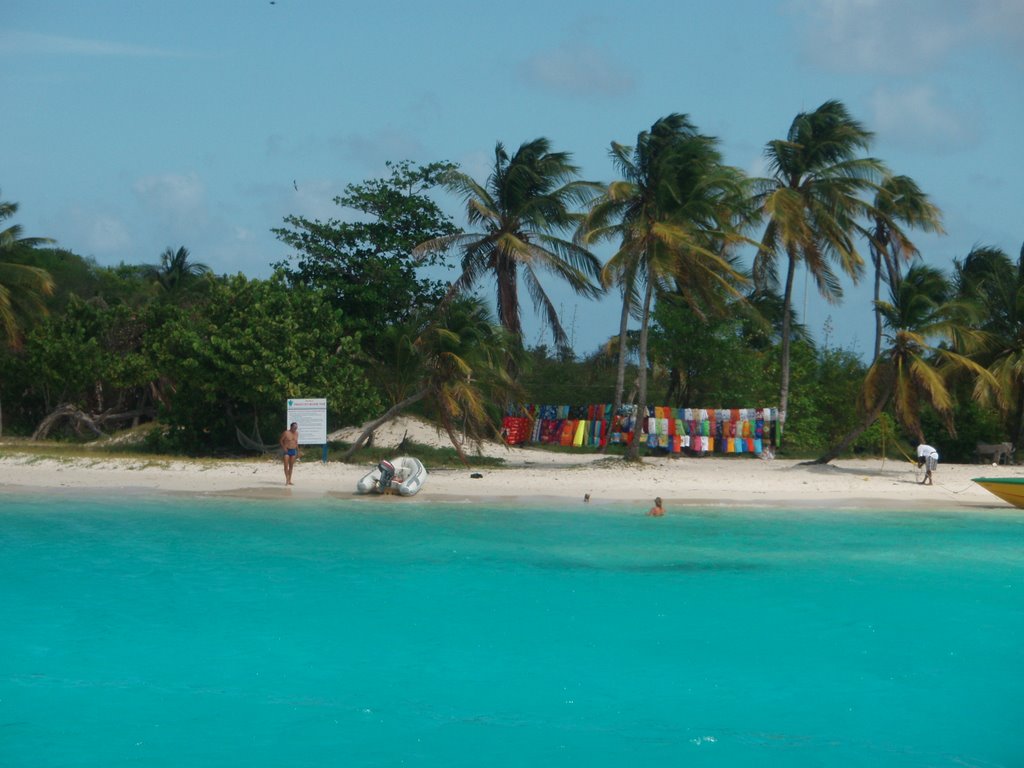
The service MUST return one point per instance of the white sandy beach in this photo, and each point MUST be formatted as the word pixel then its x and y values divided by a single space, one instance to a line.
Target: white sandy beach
pixel 534 474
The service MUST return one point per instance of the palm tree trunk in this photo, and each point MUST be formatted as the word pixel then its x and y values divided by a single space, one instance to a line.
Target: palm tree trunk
pixel 633 454
pixel 674 394
pixel 620 376
pixel 508 306
pixel 787 304
pixel 892 266
pixel 876 259
pixel 391 413
pixel 455 442
pixel 853 434
pixel 508 296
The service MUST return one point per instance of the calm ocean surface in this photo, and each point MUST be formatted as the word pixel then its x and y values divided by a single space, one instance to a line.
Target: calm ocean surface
pixel 181 632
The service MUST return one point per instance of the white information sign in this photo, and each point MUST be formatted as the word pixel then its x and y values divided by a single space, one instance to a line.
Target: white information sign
pixel 310 413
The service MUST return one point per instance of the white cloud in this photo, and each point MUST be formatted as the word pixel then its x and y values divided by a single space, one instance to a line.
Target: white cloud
pixel 906 37
pixel 578 70
pixel 28 43
pixel 915 117
pixel 101 234
pixel 757 167
pixel 171 193
pixel 177 206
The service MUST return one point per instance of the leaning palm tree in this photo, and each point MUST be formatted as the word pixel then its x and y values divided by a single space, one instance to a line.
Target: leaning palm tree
pixel 989 278
pixel 924 326
pixel 811 203
pixel 23 288
pixel 673 212
pixel 898 204
pixel 527 201
pixel 633 201
pixel 455 363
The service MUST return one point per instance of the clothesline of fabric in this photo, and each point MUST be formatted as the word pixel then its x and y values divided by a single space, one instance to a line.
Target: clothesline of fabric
pixel 699 430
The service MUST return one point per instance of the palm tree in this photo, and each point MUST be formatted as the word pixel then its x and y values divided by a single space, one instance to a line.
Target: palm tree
pixel 923 327
pixel 456 364
pixel 988 276
pixel 761 318
pixel 175 270
pixel 527 201
pixel 23 288
pixel 811 203
pixel 898 201
pixel 672 212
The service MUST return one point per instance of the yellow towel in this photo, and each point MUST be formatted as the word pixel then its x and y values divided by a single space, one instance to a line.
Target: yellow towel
pixel 581 431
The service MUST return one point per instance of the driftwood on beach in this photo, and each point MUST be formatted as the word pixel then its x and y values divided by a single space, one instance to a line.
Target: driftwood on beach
pixel 81 421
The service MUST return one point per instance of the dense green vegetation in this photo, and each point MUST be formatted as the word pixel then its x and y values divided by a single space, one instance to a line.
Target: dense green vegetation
pixel 357 313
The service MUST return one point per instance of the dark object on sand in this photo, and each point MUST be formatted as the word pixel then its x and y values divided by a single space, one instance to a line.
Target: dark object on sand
pixel 476 475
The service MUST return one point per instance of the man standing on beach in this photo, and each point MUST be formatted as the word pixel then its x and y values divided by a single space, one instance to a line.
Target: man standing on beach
pixel 290 445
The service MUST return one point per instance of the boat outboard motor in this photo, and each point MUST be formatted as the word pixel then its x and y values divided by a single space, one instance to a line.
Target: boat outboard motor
pixel 387 473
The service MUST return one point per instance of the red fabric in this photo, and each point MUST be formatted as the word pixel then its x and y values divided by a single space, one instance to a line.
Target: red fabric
pixel 516 429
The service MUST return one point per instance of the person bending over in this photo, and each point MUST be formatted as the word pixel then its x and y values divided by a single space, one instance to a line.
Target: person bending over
pixel 928 458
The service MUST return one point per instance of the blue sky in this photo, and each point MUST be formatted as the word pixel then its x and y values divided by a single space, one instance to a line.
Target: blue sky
pixel 130 127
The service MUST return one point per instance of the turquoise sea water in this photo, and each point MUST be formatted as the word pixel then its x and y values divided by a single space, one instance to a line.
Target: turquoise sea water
pixel 170 632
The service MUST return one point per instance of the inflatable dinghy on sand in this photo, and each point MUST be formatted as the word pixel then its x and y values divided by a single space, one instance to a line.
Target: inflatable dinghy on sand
pixel 404 476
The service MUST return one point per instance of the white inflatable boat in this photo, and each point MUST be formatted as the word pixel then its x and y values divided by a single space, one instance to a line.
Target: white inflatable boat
pixel 404 476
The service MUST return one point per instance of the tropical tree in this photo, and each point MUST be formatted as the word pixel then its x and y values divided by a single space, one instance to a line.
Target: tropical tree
pixel 811 202
pixel 456 363
pixel 366 266
pixel 233 358
pixel 23 287
pixel 924 325
pixel 712 360
pixel 898 203
pixel 86 367
pixel 673 212
pixel 989 278
pixel 81 276
pixel 528 200
pixel 762 321
pixel 636 200
pixel 176 270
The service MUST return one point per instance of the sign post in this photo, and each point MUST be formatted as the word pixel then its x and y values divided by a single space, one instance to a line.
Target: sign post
pixel 310 413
